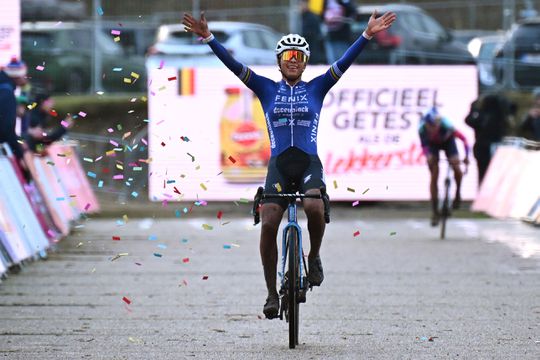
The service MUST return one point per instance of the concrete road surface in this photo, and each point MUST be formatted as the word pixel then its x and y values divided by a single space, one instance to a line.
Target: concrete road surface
pixel 193 288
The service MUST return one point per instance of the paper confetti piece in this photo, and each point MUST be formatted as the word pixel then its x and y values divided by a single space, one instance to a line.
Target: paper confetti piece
pixel 219 214
pixel 118 256
pixel 40 68
pixel 172 78
pixel 355 203
pixel 278 187
pixel 113 142
pixel 231 159
pixel 185 260
pixel 82 114
pixel 393 233
pixel 356 233
pixel 91 174
pixel 335 184
pixel 80 244
pixel 205 277
pixel 192 157
pixel 162 246
pixel 116 38
pixel 134 194
pixel 116 238
pixel 127 80
pixel 350 189
pixel 87 207
pixel 126 300
pixel 135 75
pixel 99 11
pixel 64 123
pixel 110 130
pixel 226 246
pixel 161 63
pixel 365 191
pixel 207 227
pixel 158 255
pixel 115 32
pixel 204 187
pixel 135 340
pixel 118 177
pixel 117 69
pixel 184 138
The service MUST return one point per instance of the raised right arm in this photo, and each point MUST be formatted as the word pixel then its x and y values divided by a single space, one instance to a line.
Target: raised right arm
pixel 244 73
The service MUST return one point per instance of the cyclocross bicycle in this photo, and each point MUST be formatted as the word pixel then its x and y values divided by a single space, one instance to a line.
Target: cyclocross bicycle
pixel 294 283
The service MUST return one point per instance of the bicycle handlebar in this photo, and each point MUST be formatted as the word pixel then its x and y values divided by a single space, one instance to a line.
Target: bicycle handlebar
pixel 260 195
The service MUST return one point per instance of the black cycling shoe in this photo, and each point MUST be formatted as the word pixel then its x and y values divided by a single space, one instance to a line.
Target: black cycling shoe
pixel 315 275
pixel 271 307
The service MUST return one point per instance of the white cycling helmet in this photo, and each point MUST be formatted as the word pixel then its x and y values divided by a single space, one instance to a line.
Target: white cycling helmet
pixel 292 42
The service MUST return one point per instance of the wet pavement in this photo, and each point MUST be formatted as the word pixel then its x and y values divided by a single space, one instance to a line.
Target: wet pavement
pixel 192 287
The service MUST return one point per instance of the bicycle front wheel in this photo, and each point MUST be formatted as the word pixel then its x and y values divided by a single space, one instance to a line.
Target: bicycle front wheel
pixel 294 284
pixel 445 211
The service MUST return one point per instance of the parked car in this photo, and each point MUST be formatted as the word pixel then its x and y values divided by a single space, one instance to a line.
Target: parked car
pixel 484 49
pixel 251 44
pixel 60 58
pixel 136 37
pixel 49 10
pixel 521 49
pixel 414 38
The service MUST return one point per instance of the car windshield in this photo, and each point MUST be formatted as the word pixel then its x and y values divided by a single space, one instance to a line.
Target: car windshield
pixel 528 34
pixel 185 38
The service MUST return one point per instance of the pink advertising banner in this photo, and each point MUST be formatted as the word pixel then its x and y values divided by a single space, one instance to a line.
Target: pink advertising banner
pixel 10 30
pixel 208 138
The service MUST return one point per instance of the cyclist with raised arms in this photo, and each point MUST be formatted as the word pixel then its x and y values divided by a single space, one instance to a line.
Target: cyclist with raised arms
pixel 437 133
pixel 292 110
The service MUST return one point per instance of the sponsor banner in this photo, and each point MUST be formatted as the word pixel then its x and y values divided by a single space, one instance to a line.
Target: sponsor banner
pixel 10 31
pixel 213 144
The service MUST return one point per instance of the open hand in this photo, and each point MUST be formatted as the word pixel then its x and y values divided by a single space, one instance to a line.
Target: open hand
pixel 199 27
pixel 376 24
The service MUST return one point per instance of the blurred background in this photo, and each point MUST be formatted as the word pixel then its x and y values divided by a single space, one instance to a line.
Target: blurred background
pixel 115 41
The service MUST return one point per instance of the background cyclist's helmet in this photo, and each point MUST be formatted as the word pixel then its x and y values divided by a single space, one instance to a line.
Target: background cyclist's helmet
pixel 431 116
pixel 292 42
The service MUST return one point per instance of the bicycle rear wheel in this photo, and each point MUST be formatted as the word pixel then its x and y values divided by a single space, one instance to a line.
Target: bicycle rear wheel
pixel 294 282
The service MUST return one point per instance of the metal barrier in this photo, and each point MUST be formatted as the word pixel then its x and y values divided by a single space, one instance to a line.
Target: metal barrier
pixel 35 214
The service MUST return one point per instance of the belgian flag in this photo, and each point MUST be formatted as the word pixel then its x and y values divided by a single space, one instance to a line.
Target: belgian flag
pixel 186 81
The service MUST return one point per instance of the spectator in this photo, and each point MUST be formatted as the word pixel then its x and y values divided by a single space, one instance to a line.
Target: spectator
pixel 311 30
pixel 36 136
pixel 437 133
pixel 489 117
pixel 338 16
pixel 531 123
pixel 11 76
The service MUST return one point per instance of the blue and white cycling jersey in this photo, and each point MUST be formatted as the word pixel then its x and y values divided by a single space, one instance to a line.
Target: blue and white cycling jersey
pixel 292 112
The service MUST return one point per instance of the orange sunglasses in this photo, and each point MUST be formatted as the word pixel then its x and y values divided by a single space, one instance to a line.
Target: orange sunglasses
pixel 288 55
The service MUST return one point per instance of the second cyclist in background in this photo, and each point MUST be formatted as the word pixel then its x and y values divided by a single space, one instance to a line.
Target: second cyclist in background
pixel 437 133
